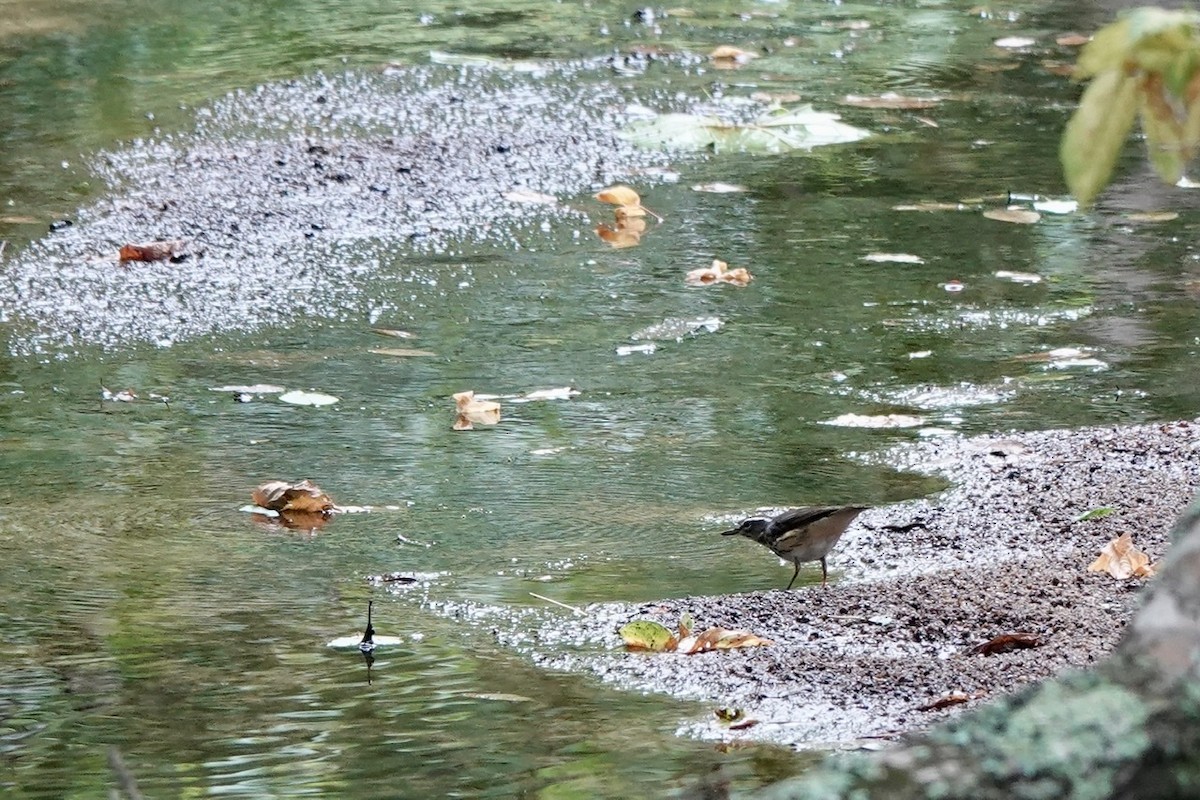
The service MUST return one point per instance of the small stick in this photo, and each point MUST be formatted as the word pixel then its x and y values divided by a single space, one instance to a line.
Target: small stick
pixel 578 611
pixel 124 777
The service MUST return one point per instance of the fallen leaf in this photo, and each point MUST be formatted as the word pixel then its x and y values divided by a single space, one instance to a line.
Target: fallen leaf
pixel 619 195
pixel 169 250
pixel 299 398
pixel 779 130
pixel 1003 66
pixel 647 635
pixel 719 639
pixel 929 206
pixel 1015 42
pixel 18 219
pixel 393 332
pixel 950 699
pixel 890 100
pixel 1152 216
pixel 1063 69
pixel 1007 642
pixel 1017 277
pixel 470 411
pixel 1020 216
pixel 401 352
pixel 729 57
pixel 876 421
pixel 719 272
pixel 1072 39
pixel 281 496
pixel 894 258
pixel 718 188
pixel 254 388
pixel 1122 560
pixel 1095 513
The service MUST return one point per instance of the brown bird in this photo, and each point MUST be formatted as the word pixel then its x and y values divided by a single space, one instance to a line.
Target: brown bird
pixel 800 534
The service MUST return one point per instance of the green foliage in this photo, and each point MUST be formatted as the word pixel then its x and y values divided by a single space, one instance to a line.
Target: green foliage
pixel 1145 64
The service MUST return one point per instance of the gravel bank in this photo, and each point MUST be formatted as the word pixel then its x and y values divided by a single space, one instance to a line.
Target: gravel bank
pixel 1001 551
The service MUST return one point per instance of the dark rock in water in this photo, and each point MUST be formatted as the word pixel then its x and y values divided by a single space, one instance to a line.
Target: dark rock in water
pixel 411 159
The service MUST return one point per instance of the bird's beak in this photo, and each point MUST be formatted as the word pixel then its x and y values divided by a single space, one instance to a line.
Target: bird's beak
pixel 729 533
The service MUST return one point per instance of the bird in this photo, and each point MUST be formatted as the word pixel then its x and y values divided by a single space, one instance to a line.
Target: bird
pixel 368 638
pixel 800 534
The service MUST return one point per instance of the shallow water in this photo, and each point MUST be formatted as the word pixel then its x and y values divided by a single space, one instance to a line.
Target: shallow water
pixel 143 610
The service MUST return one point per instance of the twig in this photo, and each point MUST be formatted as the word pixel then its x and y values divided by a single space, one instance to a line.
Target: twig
pixel 577 610
pixel 125 778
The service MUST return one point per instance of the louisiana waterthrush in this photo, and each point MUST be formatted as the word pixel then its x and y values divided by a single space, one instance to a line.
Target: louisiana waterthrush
pixel 800 534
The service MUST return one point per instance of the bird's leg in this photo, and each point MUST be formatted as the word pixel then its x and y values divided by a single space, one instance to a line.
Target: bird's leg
pixel 794 574
pixel 824 574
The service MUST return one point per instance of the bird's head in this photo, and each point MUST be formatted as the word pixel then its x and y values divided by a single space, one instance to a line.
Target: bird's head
pixel 749 527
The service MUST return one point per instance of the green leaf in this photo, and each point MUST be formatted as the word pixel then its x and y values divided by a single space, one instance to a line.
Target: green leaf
pixel 686 624
pixel 1096 133
pixel 1108 50
pixel 1164 135
pixel 644 634
pixel 1095 513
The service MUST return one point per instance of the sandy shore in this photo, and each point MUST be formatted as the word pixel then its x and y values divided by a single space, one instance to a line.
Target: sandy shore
pixel 921 583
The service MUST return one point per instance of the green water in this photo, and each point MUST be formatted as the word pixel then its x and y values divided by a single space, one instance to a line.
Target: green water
pixel 141 609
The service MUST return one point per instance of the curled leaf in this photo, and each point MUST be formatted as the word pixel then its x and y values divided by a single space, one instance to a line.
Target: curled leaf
pixel 470 411
pixel 1122 560
pixel 646 634
pixel 281 496
pixel 719 272
pixel 170 250
pixel 619 195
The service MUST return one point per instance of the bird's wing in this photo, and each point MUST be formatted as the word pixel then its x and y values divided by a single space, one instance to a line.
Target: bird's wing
pixel 797 517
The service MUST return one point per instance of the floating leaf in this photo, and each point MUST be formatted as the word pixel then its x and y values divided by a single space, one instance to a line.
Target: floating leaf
pixel 876 421
pixel 622 235
pixel 253 388
pixel 1122 560
pixel 281 496
pixel 718 188
pixel 893 258
pixel 401 352
pixel 777 131
pixel 1018 277
pixel 647 635
pixel 299 398
pixel 1096 513
pixel 393 332
pixel 1152 216
pixel 719 639
pixel 1015 42
pixel 718 273
pixel 1072 39
pixel 471 411
pixel 729 57
pixel 1019 216
pixel 890 100
pixel 619 196
pixel 1007 642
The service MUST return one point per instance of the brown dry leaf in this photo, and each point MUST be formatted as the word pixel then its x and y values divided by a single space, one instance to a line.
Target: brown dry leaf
pixel 719 272
pixel 169 250
pixel 470 411
pixel 950 699
pixel 1063 69
pixel 1003 66
pixel 1019 216
pixel 730 57
pixel 18 219
pixel 1072 39
pixel 1152 216
pixel 1006 642
pixel 1122 560
pixel 719 639
pixel 281 496
pixel 619 236
pixel 619 195
pixel 890 100
pixel 624 213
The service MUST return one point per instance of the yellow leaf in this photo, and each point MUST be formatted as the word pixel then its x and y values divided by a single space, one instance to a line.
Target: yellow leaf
pixel 1165 144
pixel 619 196
pixel 718 273
pixel 1122 560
